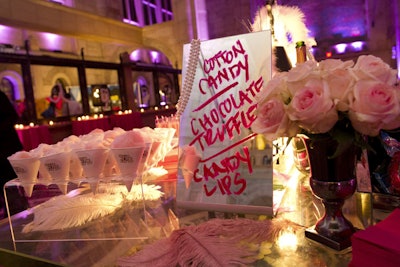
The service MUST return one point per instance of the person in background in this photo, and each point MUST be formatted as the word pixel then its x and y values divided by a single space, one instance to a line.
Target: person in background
pixel 56 102
pixel 9 143
pixel 72 107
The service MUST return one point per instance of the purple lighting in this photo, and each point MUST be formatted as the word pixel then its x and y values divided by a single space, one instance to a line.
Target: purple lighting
pixel 131 22
pixel 357 46
pixel 155 57
pixel 135 55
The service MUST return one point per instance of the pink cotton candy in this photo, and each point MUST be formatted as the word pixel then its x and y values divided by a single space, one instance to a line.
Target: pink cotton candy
pixel 113 133
pixel 190 158
pixel 128 139
pixel 21 155
pixel 95 145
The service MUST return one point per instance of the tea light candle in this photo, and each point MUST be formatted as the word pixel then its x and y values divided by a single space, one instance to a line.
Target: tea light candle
pixel 101 115
pixel 119 112
pixel 96 116
pixel 51 122
pixel 141 110
pixel 79 118
pixel 155 108
pixel 31 124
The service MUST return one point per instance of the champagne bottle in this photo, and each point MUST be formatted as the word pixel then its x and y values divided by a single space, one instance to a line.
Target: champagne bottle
pixel 301 53
pixel 299 148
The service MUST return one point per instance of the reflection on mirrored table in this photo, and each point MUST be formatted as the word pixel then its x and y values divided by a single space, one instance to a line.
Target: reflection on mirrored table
pixel 289 249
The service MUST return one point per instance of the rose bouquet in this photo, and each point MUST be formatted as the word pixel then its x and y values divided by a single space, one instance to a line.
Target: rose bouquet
pixel 340 99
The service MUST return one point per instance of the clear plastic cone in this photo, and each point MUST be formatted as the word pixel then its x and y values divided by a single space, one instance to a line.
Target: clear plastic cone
pixel 128 160
pixel 75 170
pixel 94 186
pixel 109 166
pixel 44 175
pixel 26 169
pixel 58 166
pixel 28 188
pixel 128 183
pixel 63 187
pixel 92 161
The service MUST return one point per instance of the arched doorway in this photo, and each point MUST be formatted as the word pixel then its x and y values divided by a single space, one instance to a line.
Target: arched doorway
pixel 11 86
pixel 142 93
pixel 156 87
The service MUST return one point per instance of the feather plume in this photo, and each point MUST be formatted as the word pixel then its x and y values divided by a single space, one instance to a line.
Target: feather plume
pixel 76 209
pixel 247 229
pixel 289 27
pixel 216 242
pixel 188 247
pixel 62 213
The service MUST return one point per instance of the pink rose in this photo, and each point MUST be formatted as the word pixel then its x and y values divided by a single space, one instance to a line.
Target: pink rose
pixel 373 67
pixel 276 87
pixel 376 106
pixel 340 83
pixel 328 65
pixel 302 71
pixel 312 107
pixel 272 120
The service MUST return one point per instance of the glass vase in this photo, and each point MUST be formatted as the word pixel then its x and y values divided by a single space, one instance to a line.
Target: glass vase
pixel 332 180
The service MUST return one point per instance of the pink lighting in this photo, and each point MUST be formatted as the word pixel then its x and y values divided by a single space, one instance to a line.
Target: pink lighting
pixel 51 41
pixel 6 34
pixel 340 48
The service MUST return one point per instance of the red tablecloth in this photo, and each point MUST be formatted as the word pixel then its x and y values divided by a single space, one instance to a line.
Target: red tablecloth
pixel 31 137
pixel 86 126
pixel 126 121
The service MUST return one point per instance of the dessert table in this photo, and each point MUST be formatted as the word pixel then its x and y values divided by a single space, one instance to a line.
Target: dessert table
pixel 85 126
pixel 126 121
pixel 32 136
pixel 298 205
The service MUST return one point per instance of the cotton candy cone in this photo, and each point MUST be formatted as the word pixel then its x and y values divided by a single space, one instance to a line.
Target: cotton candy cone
pixel 94 186
pixel 57 165
pixel 63 187
pixel 128 184
pixel 108 167
pixel 128 159
pixel 28 188
pixel 92 161
pixel 26 169
pixel 187 176
pixel 75 169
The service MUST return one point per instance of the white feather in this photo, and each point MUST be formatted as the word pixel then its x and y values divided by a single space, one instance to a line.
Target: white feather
pixel 289 27
pixel 77 209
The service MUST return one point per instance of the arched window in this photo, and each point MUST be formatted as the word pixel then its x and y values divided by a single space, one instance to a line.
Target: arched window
pixel 7 87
